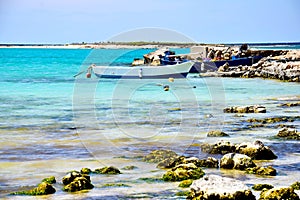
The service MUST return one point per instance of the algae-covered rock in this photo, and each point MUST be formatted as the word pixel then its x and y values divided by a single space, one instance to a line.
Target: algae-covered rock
pixel 236 161
pixel 245 109
pixel 291 104
pixel 43 188
pixel 79 183
pixel 210 162
pixel 217 133
pixel 183 193
pixel 256 150
pixel 289 133
pixel 185 183
pixel 183 172
pixel 265 171
pixel 49 180
pixel 222 147
pixel 85 170
pixel 107 170
pixel 259 187
pixel 213 187
pixel 278 194
pixel 159 155
pixel 296 185
pixel 129 167
pixel 115 185
pixel 70 177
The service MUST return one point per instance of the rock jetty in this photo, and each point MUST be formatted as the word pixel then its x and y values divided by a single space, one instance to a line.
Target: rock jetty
pixel 285 66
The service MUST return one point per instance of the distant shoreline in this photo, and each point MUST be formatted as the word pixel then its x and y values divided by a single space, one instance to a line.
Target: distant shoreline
pixel 132 45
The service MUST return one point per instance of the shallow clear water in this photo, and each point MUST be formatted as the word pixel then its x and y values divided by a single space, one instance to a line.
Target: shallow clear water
pixel 51 122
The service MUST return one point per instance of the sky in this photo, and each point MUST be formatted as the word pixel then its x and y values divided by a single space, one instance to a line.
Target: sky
pixel 211 21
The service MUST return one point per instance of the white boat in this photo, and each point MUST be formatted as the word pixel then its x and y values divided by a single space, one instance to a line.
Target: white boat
pixel 143 72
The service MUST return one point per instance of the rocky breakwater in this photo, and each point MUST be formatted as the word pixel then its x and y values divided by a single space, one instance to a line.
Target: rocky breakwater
pixel 284 67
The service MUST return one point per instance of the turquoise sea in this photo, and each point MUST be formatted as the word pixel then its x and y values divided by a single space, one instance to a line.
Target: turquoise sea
pixel 52 122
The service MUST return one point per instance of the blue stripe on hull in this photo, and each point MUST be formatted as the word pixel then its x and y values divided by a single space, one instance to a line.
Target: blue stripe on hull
pixel 180 75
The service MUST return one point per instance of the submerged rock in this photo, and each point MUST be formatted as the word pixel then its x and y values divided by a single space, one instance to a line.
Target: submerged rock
pixel 217 188
pixel 278 194
pixel 107 170
pixel 79 183
pixel 222 147
pixel 245 109
pixel 85 171
pixel 266 171
pixel 289 133
pixel 43 188
pixel 185 183
pixel 236 161
pixel 159 155
pixel 130 167
pixel 260 187
pixel 172 162
pixel 290 104
pixel 296 185
pixel 256 150
pixel 217 133
pixel 49 180
pixel 183 172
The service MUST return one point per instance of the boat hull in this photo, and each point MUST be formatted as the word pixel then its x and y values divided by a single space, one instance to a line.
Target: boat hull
pixel 143 72
pixel 216 64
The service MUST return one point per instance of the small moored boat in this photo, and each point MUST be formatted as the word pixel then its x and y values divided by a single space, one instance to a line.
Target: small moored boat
pixel 143 72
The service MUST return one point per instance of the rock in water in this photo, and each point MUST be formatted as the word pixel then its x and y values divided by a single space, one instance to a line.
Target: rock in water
pixel 159 155
pixel 43 188
pixel 256 150
pixel 79 183
pixel 217 133
pixel 183 172
pixel 107 170
pixel 289 133
pixel 236 161
pixel 278 194
pixel 217 188
pixel 265 171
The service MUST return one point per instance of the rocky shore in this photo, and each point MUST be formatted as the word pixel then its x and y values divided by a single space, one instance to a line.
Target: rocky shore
pixel 285 67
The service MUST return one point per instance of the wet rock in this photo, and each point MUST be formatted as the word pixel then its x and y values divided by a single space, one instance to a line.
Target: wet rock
pixel 289 133
pixel 85 171
pixel 79 183
pixel 291 104
pixel 49 180
pixel 278 194
pixel 183 172
pixel 260 187
pixel 172 162
pixel 107 170
pixel 130 167
pixel 217 133
pixel 296 185
pixel 185 183
pixel 222 147
pixel 236 161
pixel 159 155
pixel 256 150
pixel 245 109
pixel 217 188
pixel 43 188
pixel 115 185
pixel 271 120
pixel 70 177
pixel 265 171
